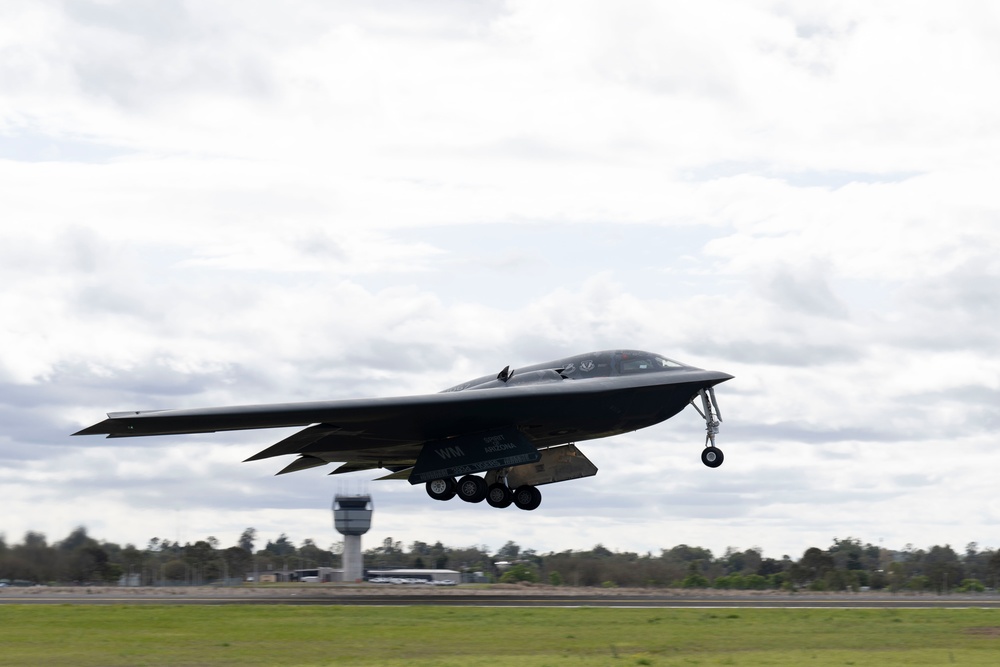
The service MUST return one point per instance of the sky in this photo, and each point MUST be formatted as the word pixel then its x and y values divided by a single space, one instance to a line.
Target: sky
pixel 214 203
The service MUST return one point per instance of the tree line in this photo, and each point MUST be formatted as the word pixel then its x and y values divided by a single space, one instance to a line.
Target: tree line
pixel 845 565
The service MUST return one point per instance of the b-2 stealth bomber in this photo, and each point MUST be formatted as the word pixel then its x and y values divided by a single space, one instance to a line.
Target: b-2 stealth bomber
pixel 519 427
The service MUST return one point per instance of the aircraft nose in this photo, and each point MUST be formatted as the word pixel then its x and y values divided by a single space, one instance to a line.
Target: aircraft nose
pixel 718 376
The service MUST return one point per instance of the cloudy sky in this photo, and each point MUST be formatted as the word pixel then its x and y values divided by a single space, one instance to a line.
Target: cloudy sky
pixel 211 203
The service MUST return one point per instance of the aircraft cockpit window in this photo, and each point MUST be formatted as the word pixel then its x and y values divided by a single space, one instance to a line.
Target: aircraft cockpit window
pixel 647 364
pixel 637 365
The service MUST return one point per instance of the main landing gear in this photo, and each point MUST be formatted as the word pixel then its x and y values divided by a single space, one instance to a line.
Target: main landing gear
pixel 473 489
pixel 711 455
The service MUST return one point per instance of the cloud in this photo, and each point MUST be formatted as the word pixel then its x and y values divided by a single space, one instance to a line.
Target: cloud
pixel 210 204
pixel 806 294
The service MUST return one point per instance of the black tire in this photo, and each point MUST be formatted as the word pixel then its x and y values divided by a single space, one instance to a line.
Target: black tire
pixel 471 489
pixel 712 457
pixel 499 495
pixel 441 489
pixel 527 497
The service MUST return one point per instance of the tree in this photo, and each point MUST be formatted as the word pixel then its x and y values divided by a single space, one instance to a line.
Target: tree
pixel 33 559
pixel 600 551
pixel 733 559
pixel 682 553
pixel 440 555
pixel 392 548
pixel 131 557
pixel 76 539
pixel 942 568
pixel 737 561
pixel 469 558
pixel 814 564
pixel 202 559
pixel 509 551
pixel 175 570
pixel 33 540
pixel 896 576
pixel 519 572
pixel 390 553
pixel 694 580
pixel 993 568
pixel 313 556
pixel 238 561
pixel 247 539
pixel 281 546
pixel 769 566
pixel 971 586
pixel 976 562
pixel 88 563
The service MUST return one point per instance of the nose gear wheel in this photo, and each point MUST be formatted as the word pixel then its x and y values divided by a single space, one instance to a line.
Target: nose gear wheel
pixel 712 457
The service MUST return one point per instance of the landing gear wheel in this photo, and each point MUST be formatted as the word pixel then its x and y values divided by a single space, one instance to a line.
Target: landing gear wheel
pixel 441 489
pixel 499 495
pixel 527 497
pixel 712 457
pixel 471 489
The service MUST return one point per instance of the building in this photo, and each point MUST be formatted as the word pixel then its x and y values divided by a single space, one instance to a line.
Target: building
pixel 413 576
pixel 352 517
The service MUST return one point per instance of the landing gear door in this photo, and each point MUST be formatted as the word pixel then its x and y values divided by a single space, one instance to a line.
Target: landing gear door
pixel 473 453
pixel 557 464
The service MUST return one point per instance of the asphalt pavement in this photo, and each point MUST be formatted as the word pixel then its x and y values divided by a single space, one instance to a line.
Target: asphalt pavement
pixel 320 594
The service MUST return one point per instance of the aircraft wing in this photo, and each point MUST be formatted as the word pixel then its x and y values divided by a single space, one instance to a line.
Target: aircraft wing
pixel 390 432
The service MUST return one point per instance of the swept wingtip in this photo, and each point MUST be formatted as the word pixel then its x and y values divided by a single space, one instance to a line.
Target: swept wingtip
pixel 100 428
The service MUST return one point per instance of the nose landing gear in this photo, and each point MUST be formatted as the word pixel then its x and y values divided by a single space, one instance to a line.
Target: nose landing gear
pixel 711 455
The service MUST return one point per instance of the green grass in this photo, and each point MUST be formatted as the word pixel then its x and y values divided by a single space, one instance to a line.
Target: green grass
pixel 469 637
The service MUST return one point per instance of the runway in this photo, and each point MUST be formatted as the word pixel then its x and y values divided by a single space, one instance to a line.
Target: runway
pixel 336 596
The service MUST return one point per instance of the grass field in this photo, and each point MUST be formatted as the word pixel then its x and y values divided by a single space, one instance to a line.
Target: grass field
pixel 469 637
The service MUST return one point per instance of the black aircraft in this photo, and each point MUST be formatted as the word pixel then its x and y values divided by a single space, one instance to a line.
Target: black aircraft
pixel 519 427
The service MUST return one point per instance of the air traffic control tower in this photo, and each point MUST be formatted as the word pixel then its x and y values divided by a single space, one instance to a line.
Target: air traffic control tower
pixel 352 517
